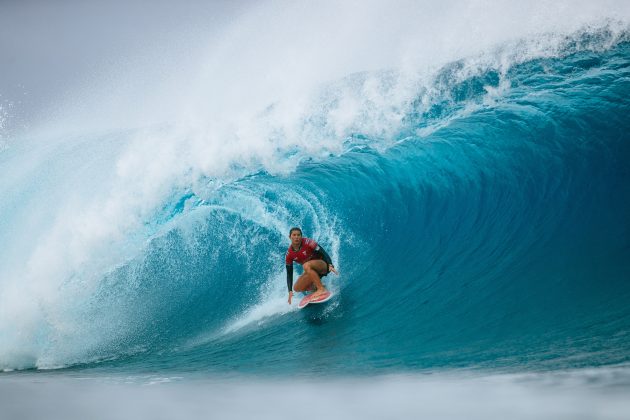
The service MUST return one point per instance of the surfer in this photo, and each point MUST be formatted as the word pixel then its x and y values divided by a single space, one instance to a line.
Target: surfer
pixel 315 261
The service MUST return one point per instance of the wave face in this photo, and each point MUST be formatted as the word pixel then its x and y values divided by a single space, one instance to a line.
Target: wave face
pixel 478 218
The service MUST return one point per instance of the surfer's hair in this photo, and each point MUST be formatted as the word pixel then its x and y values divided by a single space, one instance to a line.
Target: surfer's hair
pixel 295 228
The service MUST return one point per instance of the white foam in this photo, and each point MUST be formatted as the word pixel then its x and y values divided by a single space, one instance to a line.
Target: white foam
pixel 257 314
pixel 278 53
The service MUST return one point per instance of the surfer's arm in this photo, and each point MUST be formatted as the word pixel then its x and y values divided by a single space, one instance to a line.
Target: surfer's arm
pixel 290 277
pixel 324 255
pixel 290 280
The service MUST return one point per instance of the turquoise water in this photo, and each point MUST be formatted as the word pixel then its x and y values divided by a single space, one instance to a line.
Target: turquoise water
pixel 484 229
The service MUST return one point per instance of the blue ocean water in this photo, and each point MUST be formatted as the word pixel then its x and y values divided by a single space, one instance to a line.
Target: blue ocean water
pixel 486 229
pixel 499 240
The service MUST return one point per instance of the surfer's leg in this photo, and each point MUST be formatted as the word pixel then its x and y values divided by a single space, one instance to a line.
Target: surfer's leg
pixel 313 272
pixel 304 283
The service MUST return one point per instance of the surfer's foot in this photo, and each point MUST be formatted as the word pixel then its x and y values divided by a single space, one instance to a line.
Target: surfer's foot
pixel 319 292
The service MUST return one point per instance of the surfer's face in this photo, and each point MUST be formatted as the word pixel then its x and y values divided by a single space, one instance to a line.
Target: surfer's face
pixel 296 238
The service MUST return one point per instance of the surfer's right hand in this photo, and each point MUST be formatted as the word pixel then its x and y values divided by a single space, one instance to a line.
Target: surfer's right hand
pixel 290 297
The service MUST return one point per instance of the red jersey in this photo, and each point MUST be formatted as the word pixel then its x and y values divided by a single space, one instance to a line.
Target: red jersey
pixel 308 250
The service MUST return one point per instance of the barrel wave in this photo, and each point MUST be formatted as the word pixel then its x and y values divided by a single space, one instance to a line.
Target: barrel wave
pixel 481 221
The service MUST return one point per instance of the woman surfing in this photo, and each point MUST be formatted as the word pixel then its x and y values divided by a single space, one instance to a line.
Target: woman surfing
pixel 313 258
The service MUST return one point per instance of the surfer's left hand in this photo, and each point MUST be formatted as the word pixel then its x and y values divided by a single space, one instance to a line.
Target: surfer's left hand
pixel 332 268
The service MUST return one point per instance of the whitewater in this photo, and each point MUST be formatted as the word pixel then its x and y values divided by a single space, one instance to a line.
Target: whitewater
pixel 463 163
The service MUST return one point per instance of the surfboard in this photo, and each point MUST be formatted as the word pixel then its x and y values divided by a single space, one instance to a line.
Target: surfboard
pixel 324 297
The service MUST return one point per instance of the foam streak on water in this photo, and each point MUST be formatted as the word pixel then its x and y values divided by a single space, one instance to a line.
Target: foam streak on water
pixel 566 395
